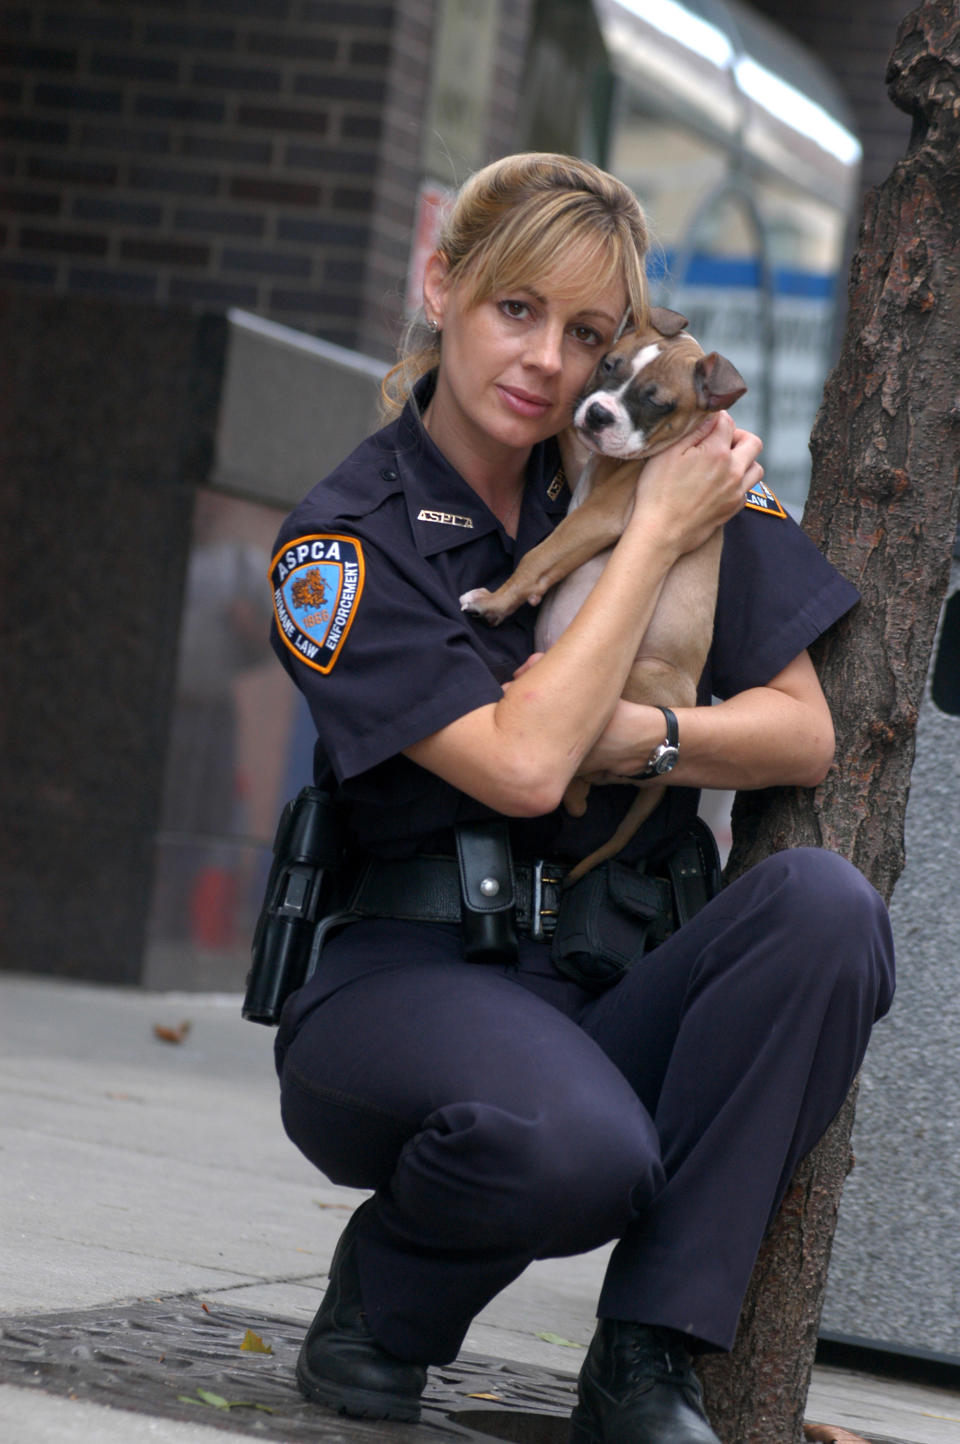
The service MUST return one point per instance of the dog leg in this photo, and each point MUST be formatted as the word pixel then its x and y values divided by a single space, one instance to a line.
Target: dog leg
pixel 584 531
pixel 575 797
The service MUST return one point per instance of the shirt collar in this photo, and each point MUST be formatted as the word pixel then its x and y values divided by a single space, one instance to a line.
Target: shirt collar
pixel 443 508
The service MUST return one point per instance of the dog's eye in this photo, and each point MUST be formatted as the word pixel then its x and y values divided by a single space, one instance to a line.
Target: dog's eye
pixel 608 365
pixel 650 410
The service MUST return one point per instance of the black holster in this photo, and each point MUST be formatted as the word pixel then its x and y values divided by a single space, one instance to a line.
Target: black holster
pixel 307 856
pixel 618 911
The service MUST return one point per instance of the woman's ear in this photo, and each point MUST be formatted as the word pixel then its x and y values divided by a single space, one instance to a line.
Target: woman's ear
pixel 435 274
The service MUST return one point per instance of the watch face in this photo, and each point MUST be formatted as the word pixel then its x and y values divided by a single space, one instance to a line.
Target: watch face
pixel 666 760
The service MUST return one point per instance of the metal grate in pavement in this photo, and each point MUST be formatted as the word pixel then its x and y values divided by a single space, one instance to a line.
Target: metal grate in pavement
pixel 153 1356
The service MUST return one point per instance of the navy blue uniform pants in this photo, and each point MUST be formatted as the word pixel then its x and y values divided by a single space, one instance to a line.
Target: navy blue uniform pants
pixel 504 1115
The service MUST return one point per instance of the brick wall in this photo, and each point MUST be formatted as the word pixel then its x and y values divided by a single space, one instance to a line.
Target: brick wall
pixel 253 153
pixel 399 119
pixel 209 152
pixel 399 171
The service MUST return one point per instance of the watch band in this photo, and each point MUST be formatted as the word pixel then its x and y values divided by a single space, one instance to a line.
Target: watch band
pixel 664 757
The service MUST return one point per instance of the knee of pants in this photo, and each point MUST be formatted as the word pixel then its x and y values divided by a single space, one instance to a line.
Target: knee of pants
pixel 560 1180
pixel 836 919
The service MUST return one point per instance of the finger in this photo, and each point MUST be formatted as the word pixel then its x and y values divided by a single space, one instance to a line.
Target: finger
pixel 525 666
pixel 752 477
pixel 712 422
pixel 747 447
pixel 740 435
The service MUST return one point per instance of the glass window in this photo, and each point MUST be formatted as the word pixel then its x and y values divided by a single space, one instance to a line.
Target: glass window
pixel 239 745
pixel 751 261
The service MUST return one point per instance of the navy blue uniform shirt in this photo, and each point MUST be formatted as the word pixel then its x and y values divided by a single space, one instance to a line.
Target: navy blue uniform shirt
pixel 366 577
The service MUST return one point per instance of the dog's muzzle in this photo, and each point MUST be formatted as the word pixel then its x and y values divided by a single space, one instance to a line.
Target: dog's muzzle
pixel 596 417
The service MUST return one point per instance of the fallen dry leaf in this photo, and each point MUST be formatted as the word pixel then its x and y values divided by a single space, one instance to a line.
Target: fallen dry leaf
pixel 253 1344
pixel 172 1035
pixel 495 1398
pixel 830 1434
pixel 217 1401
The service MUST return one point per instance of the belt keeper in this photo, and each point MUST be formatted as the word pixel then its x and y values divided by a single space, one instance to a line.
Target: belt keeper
pixel 488 911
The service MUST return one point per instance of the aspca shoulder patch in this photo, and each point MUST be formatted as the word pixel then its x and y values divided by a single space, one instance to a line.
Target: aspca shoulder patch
pixel 761 498
pixel 317 582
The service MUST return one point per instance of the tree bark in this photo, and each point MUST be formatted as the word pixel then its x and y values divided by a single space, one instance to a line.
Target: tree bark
pixel 883 508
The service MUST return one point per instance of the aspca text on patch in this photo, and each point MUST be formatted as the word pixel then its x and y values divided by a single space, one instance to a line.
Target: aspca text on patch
pixel 317 583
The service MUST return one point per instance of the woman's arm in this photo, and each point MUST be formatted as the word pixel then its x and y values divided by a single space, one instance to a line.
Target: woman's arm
pixel 780 734
pixel 518 755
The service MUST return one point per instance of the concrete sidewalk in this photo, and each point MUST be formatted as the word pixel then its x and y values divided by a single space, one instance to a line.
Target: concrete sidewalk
pixel 136 1169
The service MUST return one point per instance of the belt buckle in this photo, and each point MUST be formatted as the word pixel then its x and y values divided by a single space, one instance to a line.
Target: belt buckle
pixel 543 920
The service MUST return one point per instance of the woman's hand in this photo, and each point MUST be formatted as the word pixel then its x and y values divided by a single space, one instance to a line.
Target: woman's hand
pixel 698 483
pixel 625 744
pixel 780 734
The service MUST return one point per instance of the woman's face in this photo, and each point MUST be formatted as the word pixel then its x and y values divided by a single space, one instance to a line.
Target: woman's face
pixel 512 366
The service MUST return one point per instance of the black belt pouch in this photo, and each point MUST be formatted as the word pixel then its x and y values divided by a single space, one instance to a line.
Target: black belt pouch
pixel 608 920
pixel 488 901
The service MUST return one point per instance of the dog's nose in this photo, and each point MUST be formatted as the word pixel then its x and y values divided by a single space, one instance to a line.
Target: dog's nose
pixel 598 417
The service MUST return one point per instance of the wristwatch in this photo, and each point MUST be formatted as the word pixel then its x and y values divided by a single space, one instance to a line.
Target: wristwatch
pixel 666 755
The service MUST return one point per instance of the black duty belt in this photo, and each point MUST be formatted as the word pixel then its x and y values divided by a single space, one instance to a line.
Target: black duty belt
pixel 428 889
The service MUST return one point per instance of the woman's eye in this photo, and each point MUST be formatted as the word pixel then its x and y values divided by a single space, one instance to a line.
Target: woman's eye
pixel 588 335
pixel 517 309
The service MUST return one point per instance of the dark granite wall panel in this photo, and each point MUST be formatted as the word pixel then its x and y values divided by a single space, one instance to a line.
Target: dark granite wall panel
pixel 106 426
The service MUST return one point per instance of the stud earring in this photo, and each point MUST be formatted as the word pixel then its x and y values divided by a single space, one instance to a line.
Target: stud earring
pixel 434 326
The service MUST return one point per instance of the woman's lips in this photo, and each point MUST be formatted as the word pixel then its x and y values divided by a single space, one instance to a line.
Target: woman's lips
pixel 524 403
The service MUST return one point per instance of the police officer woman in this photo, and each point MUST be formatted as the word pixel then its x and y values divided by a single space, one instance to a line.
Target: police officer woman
pixel 502 1109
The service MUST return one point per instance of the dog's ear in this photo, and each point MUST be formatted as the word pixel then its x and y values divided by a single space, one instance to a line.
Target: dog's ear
pixel 668 323
pixel 718 382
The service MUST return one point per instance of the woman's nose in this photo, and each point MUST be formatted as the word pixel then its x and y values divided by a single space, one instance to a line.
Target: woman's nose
pixel 545 350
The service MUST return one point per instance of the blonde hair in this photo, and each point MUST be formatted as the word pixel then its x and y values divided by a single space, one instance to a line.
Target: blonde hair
pixel 508 226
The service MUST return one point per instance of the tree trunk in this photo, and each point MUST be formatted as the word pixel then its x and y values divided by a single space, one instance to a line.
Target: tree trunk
pixel 883 507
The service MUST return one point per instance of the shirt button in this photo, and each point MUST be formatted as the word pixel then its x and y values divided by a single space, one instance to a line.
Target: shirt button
pixel 388 475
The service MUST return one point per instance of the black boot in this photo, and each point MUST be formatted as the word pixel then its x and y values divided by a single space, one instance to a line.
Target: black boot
pixel 637 1386
pixel 341 1364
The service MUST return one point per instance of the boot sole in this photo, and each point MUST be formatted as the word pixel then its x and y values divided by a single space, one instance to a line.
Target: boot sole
pixel 360 1403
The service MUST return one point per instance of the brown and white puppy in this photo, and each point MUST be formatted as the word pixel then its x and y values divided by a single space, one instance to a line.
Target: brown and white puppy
pixel 648 391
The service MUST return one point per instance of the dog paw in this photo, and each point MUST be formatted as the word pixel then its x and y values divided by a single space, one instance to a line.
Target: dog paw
pixel 478 603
